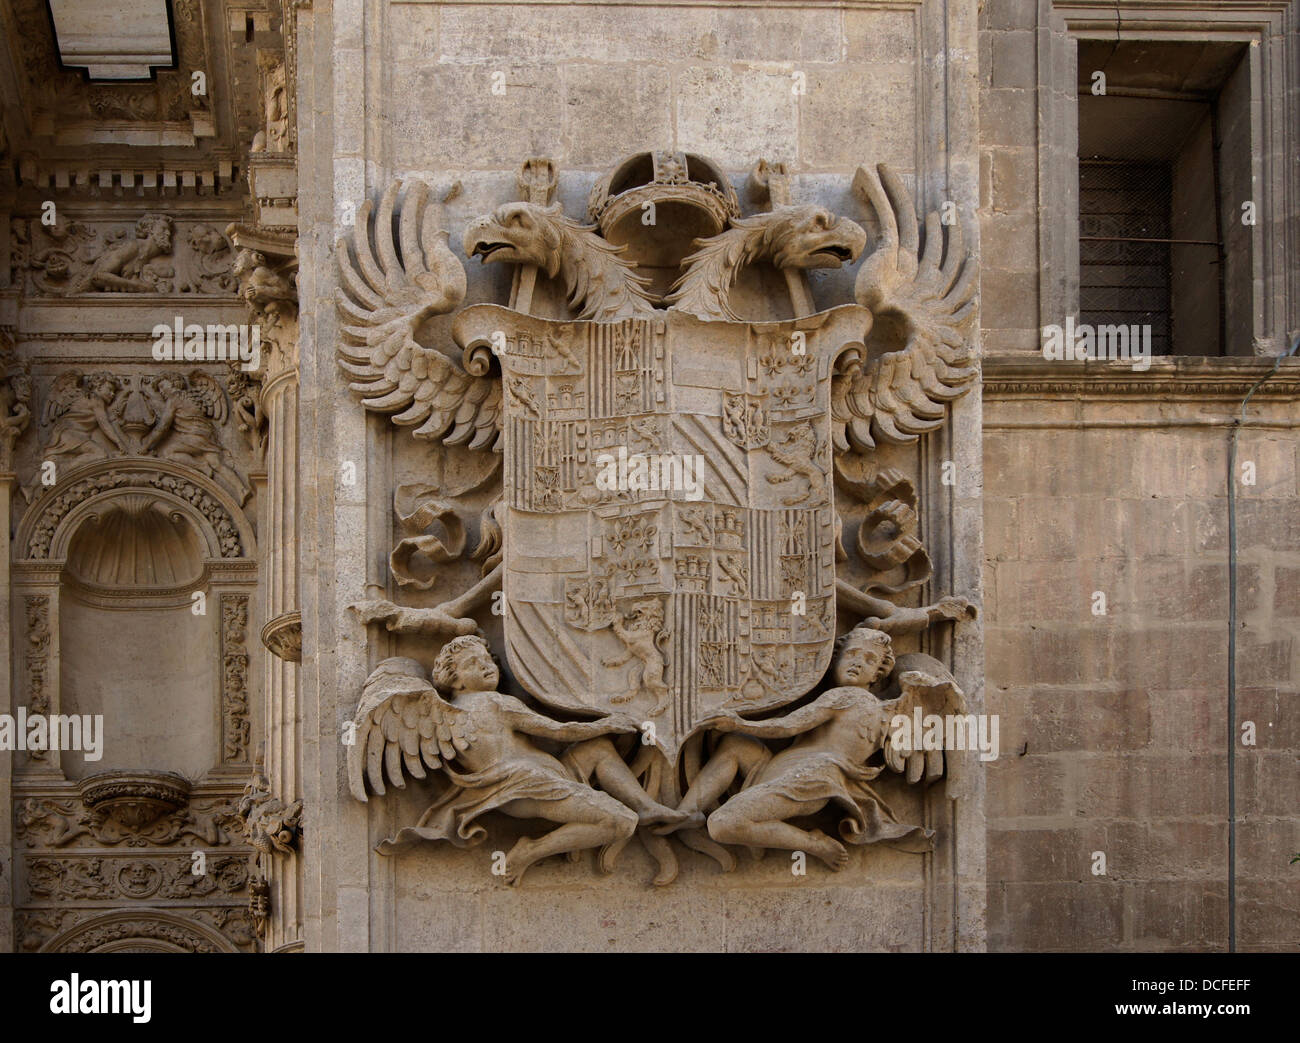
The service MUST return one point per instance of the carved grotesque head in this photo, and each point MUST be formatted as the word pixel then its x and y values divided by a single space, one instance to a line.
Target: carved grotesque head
pixel 522 233
pixel 865 657
pixel 465 664
pixel 813 237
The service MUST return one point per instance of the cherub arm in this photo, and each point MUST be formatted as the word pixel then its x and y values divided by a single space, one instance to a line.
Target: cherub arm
pixel 895 619
pixel 522 719
pixel 451 617
pixel 107 425
pixel 819 711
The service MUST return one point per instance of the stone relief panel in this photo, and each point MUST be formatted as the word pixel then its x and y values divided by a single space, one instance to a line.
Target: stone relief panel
pixel 133 848
pixel 155 254
pixel 664 539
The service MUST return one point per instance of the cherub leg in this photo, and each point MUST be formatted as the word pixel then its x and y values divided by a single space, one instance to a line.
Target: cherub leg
pixel 591 819
pixel 598 757
pixel 735 754
pixel 756 818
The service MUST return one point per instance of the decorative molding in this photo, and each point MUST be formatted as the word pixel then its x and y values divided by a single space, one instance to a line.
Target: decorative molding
pixel 235 723
pixel 154 931
pixel 50 509
pixel 1184 378
pixel 38 660
pixel 57 822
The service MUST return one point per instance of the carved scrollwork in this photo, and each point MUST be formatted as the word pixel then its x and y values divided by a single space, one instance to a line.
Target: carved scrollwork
pixel 50 822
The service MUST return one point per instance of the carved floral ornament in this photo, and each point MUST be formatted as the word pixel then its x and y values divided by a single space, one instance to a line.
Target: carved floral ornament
pixel 662 628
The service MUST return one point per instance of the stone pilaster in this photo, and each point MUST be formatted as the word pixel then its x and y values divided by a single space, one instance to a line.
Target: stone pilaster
pixel 267 269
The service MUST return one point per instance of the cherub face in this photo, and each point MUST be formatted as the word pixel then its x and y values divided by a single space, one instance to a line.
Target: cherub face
pixel 475 669
pixel 861 663
pixel 104 389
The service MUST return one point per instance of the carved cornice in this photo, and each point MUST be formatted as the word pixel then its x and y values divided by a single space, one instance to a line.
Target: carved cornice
pixel 1029 376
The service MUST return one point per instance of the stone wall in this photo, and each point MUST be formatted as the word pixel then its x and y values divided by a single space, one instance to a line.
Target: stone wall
pixel 1115 726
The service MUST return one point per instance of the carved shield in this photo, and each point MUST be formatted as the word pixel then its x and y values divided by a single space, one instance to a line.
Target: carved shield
pixel 670 511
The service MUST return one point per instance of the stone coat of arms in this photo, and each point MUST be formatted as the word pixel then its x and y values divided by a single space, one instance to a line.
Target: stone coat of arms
pixel 664 548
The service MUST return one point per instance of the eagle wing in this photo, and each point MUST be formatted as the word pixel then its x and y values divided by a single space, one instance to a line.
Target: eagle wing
pixel 386 292
pixel 923 304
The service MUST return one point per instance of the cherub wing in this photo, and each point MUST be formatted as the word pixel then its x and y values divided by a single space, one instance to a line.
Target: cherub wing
pixel 925 683
pixel 382 302
pixel 65 390
pixel 402 723
pixel 209 394
pixel 923 304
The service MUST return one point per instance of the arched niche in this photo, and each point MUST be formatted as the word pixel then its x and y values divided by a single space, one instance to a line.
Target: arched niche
pixel 145 930
pixel 139 576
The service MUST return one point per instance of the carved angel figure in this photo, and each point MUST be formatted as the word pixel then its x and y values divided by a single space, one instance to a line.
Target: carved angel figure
pixel 85 425
pixel 834 736
pixel 485 743
pixel 185 430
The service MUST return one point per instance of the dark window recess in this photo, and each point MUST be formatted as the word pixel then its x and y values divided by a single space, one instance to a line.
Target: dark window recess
pixel 1124 233
pixel 1164 163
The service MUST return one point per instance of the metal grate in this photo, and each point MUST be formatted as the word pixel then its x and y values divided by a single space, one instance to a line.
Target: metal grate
pixel 1124 247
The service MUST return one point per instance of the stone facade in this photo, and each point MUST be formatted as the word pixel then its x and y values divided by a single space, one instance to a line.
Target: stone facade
pixel 816 245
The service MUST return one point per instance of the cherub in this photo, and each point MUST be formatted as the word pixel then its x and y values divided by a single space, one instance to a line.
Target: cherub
pixel 184 429
pixel 827 763
pixel 84 414
pixel 483 741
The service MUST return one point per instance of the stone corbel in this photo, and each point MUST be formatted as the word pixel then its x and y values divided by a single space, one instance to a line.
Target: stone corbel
pixel 282 636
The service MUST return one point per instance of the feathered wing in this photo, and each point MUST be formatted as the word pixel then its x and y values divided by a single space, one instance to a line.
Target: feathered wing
pixel 402 726
pixel 927 299
pixel 65 390
pixel 209 394
pixel 383 300
pixel 702 289
pixel 924 683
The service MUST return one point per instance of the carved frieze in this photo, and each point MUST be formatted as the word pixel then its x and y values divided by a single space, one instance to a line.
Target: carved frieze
pixel 136 878
pixel 56 822
pixel 74 258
